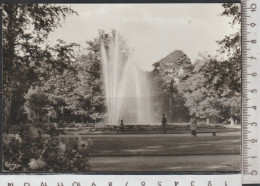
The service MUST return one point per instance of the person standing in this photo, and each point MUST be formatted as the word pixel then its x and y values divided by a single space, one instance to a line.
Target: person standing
pixel 193 126
pixel 122 124
pixel 164 123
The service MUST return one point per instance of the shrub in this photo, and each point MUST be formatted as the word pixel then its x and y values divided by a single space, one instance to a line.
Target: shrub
pixel 29 150
pixel 36 105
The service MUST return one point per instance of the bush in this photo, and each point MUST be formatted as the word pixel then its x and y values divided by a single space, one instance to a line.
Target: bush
pixel 29 150
pixel 36 105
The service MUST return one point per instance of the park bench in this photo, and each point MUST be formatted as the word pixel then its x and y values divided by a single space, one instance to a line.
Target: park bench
pixel 213 132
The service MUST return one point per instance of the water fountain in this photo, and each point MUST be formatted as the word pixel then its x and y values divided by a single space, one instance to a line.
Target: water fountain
pixel 127 88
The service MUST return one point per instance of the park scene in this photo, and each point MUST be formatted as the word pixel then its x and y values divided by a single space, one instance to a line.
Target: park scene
pixel 115 88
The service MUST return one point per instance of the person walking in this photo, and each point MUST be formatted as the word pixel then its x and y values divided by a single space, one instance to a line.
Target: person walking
pixel 164 123
pixel 193 126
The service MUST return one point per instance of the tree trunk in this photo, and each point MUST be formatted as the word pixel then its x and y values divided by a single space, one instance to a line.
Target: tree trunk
pixel 7 102
pixel 8 61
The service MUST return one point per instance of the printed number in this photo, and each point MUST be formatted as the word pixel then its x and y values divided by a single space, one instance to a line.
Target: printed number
pixel 253 41
pixel 254 172
pixel 252 57
pixel 253 107
pixel 253 124
pixel 254 140
pixel 143 183
pixel 110 184
pixel 253 157
pixel 254 91
pixel 253 7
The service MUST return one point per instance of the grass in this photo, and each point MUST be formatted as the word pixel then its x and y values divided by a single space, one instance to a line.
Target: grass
pixel 171 164
pixel 161 145
pixel 162 152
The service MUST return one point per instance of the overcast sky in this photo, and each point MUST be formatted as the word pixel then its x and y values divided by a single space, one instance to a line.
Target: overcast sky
pixel 153 30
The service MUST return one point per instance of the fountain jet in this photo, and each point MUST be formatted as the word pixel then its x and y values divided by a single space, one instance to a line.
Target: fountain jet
pixel 127 88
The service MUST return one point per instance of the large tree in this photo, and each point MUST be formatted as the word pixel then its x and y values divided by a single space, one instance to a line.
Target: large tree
pixel 230 45
pixel 211 89
pixel 25 29
pixel 167 74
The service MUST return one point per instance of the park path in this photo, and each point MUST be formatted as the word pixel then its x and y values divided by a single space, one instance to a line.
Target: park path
pixel 230 163
pixel 236 133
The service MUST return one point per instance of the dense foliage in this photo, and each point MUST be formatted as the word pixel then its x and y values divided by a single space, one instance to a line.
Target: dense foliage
pixel 29 62
pixel 167 74
pixel 208 88
pixel 25 30
pixel 31 151
pixel 212 89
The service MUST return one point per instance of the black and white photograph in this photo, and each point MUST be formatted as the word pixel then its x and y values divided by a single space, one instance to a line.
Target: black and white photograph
pixel 121 88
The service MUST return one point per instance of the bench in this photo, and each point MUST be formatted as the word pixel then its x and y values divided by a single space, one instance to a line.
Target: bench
pixel 213 132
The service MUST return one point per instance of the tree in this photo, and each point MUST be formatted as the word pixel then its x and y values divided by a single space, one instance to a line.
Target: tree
pixel 167 74
pixel 59 90
pixel 231 44
pixel 213 87
pixel 88 97
pixel 25 28
pixel 58 77
pixel 210 89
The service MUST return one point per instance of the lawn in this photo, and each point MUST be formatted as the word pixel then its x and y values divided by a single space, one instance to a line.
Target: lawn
pixel 173 164
pixel 170 152
pixel 161 145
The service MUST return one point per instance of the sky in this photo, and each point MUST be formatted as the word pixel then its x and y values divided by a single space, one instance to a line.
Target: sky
pixel 151 30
